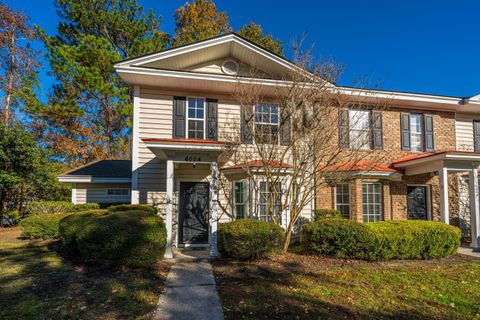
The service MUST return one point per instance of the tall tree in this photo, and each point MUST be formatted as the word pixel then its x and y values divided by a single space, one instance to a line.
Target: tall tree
pixel 89 111
pixel 198 20
pixel 254 33
pixel 18 63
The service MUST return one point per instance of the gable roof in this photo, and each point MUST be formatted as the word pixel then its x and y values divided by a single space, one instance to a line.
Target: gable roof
pixel 100 171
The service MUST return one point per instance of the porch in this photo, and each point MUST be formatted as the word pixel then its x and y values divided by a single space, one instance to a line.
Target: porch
pixel 441 163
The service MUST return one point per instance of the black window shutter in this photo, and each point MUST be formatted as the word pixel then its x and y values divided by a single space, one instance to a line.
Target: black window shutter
pixel 212 116
pixel 285 129
pixel 429 139
pixel 247 125
pixel 179 116
pixel 343 129
pixel 377 130
pixel 476 135
pixel 405 130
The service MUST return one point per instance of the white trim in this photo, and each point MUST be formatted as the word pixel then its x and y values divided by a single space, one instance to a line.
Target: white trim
pixel 187 118
pixel 428 200
pixel 90 179
pixel 135 196
pixel 226 71
pixel 444 205
pixel 169 209
pixel 473 186
pixel 349 198
pixel 74 193
pixel 185 146
pixel 442 156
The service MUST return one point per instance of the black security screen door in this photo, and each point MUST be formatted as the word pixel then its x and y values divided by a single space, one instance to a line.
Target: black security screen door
pixel 417 203
pixel 193 214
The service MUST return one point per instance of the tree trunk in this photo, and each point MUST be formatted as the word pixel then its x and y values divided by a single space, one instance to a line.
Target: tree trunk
pixel 288 237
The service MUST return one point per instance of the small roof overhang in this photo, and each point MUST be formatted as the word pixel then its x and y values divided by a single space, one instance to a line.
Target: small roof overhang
pixel 363 169
pixel 100 171
pixel 452 160
pixel 186 150
pixel 257 166
pixel 90 179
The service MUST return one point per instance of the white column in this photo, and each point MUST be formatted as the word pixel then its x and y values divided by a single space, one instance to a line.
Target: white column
pixel 169 210
pixel 135 141
pixel 474 208
pixel 74 193
pixel 213 209
pixel 444 210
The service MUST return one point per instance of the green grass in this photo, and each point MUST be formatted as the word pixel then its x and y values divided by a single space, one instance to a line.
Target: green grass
pixel 306 287
pixel 36 283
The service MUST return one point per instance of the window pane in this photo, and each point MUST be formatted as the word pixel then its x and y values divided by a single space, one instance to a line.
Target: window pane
pixel 372 202
pixel 343 199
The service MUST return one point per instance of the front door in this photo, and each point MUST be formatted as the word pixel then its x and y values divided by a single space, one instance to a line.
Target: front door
pixel 417 205
pixel 193 213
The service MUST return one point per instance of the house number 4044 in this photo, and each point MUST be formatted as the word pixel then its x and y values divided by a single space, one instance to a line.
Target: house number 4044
pixel 193 159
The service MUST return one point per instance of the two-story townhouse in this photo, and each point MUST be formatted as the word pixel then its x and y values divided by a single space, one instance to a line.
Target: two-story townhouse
pixel 183 110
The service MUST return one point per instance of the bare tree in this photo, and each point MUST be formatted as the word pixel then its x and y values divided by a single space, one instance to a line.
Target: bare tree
pixel 18 61
pixel 291 136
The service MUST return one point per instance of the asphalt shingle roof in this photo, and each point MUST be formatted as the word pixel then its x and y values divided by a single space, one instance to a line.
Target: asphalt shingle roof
pixel 104 169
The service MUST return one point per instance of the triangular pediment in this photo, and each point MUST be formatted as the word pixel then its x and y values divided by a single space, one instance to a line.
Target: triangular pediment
pixel 218 55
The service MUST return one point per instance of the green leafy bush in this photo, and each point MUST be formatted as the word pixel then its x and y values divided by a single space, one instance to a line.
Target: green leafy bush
pixel 380 240
pixel 43 226
pixel 128 207
pixel 412 240
pixel 49 207
pixel 249 239
pixel 86 207
pixel 341 238
pixel 70 225
pixel 327 214
pixel 116 239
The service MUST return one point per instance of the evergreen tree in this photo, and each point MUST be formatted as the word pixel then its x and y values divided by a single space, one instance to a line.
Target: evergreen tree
pixel 254 33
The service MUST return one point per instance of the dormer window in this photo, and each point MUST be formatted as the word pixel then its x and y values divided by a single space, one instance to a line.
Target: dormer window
pixel 196 118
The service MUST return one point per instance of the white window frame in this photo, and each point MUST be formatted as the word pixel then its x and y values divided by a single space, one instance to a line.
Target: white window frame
pixel 245 201
pixel 421 134
pixel 381 214
pixel 258 197
pixel 349 198
pixel 255 122
pixel 196 119
pixel 352 143
pixel 117 195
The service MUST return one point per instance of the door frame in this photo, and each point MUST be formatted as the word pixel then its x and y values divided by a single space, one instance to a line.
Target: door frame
pixel 429 198
pixel 177 204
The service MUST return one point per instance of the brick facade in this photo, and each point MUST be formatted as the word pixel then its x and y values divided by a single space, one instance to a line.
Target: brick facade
pixel 395 192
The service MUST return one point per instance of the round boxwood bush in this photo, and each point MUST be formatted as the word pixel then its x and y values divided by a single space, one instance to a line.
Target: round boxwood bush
pixel 123 238
pixel 129 207
pixel 43 226
pixel 412 240
pixel 70 225
pixel 341 238
pixel 249 239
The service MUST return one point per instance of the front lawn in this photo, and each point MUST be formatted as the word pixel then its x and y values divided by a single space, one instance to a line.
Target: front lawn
pixel 297 286
pixel 35 283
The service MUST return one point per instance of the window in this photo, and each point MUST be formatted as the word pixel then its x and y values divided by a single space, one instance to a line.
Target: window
pixel 342 199
pixel 476 136
pixel 118 191
pixel 416 132
pixel 359 121
pixel 267 197
pixel 372 202
pixel 240 201
pixel 266 123
pixel 196 118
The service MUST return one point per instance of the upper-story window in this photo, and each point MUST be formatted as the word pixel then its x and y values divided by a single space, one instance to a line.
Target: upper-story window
pixel 476 136
pixel 361 129
pixel 417 132
pixel 196 118
pixel 266 123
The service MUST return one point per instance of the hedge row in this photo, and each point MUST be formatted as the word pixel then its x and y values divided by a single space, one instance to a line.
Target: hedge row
pixel 58 207
pixel 131 238
pixel 249 239
pixel 42 226
pixel 380 240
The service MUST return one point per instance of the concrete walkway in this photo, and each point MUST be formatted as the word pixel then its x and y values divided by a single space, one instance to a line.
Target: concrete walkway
pixel 190 290
pixel 469 252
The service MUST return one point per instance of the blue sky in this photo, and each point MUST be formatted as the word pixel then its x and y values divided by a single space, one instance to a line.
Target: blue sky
pixel 420 46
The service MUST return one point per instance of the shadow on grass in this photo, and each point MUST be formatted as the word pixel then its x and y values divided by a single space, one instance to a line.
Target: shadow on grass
pixel 289 290
pixel 36 283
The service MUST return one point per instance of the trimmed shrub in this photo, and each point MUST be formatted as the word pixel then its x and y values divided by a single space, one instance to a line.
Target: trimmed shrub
pixel 249 239
pixel 341 238
pixel 321 214
pixel 70 225
pixel 122 238
pixel 380 240
pixel 129 207
pixel 44 226
pixel 86 207
pixel 412 240
pixel 49 207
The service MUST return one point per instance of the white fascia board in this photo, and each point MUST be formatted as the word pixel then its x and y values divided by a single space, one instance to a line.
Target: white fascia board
pixel 443 156
pixel 90 179
pixel 468 157
pixel 185 146
pixel 74 179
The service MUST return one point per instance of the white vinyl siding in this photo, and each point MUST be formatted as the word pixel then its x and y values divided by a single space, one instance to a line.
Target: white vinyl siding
pixel 464 131
pixel 97 193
